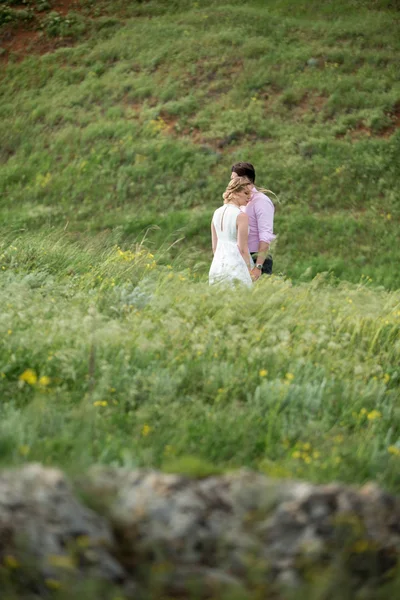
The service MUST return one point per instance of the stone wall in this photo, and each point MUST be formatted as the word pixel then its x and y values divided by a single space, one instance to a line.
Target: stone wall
pixel 152 533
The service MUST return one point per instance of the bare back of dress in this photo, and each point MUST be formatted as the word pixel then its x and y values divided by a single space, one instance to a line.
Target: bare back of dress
pixel 228 264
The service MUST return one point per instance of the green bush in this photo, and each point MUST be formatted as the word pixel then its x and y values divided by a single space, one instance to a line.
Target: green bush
pixel 72 25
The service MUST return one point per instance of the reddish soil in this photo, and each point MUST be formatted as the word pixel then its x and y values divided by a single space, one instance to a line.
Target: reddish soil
pixel 362 131
pixel 22 40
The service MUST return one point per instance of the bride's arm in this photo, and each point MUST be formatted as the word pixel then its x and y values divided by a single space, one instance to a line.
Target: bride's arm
pixel 243 237
pixel 214 238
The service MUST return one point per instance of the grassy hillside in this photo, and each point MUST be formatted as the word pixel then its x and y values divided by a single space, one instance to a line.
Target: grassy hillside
pixel 115 150
pixel 136 122
pixel 119 122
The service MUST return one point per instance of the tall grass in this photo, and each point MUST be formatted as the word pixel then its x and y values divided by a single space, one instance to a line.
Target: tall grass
pixel 108 355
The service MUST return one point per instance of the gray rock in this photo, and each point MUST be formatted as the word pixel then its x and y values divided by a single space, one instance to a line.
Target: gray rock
pixel 40 518
pixel 220 534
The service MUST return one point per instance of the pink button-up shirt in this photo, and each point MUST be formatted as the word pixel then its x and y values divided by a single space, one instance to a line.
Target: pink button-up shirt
pixel 260 211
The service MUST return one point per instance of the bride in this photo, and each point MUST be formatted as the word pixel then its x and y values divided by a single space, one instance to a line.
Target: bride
pixel 229 232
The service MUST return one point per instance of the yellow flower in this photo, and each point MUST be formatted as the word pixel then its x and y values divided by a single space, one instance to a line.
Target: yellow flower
pixel 53 584
pixel 11 562
pixel 361 546
pixel 363 411
pixel 289 376
pixel 29 376
pixel 9 332
pixel 44 380
pixel 395 450
pixel 146 430
pixel 374 414
pixel 296 454
pixel 100 403
pixel 83 541
pixel 61 561
pixel 169 450
pixel 307 446
pixel 263 373
pixel 386 378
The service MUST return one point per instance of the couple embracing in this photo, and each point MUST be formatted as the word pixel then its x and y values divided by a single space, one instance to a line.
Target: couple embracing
pixel 242 230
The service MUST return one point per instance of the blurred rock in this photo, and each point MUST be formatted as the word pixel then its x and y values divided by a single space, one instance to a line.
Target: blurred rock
pixel 46 530
pixel 220 533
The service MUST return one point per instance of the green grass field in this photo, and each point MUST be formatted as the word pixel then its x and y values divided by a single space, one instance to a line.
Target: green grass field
pixel 115 150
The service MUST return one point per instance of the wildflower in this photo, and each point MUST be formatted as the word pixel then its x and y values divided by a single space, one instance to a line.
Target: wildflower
pixel 363 411
pixel 61 561
pixel 146 430
pixel 307 446
pixel 83 541
pixel 386 378
pixel 24 450
pixel 169 267
pixel 9 332
pixel 395 450
pixel 29 376
pixel 44 380
pixel 100 403
pixel 360 546
pixel 11 562
pixel 296 454
pixel 263 373
pixel 53 584
pixel 289 376
pixel 169 450
pixel 374 414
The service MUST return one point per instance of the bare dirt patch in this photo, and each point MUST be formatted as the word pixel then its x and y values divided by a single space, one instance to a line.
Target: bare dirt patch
pixel 22 40
pixel 362 130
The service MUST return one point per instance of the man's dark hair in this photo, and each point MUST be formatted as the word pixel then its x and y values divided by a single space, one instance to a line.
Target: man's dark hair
pixel 245 169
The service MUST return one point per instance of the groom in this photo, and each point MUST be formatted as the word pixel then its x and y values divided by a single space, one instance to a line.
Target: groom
pixel 260 211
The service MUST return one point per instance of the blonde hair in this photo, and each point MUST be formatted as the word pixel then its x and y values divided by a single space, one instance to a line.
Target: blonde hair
pixel 237 184
pixel 267 193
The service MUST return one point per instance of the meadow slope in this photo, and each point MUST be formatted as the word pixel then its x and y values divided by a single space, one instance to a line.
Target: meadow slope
pixel 115 150
pixel 134 124
pixel 119 122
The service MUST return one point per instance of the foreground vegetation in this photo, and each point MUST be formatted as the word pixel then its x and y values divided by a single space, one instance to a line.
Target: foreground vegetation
pixel 110 356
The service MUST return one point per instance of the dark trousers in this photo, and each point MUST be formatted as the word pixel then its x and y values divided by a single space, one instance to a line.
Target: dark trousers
pixel 267 265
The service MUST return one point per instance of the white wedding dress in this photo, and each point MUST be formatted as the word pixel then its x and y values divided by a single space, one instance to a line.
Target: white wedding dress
pixel 228 265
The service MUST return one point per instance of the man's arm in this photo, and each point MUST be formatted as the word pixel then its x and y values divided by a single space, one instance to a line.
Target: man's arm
pixel 264 212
